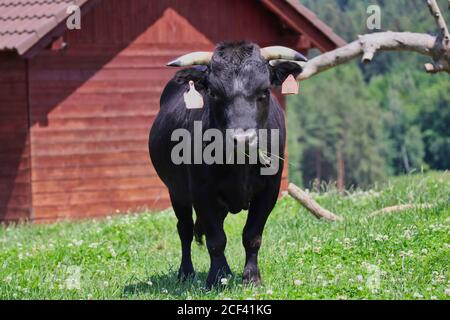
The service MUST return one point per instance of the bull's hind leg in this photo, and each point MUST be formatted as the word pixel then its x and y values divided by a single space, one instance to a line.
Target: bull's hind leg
pixel 258 213
pixel 185 228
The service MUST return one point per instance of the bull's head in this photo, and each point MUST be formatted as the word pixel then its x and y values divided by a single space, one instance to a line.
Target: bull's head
pixel 237 81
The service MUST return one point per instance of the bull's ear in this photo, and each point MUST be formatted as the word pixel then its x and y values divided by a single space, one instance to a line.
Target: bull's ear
pixel 282 70
pixel 196 74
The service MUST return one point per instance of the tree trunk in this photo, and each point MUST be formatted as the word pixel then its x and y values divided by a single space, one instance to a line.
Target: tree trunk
pixel 340 167
pixel 318 162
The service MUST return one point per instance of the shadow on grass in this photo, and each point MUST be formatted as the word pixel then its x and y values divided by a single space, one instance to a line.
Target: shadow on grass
pixel 169 285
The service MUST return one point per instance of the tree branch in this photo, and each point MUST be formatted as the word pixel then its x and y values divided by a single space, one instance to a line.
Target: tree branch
pixel 440 21
pixel 310 204
pixel 402 207
pixel 437 47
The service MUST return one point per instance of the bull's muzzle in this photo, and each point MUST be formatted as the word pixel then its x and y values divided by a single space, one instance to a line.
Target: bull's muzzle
pixel 247 138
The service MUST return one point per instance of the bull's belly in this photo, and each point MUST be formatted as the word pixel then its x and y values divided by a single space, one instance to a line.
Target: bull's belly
pixel 236 202
pixel 237 195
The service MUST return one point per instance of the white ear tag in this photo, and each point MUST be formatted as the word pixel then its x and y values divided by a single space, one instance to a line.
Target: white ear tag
pixel 192 98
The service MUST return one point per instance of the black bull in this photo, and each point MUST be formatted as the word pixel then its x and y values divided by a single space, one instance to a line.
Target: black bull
pixel 235 85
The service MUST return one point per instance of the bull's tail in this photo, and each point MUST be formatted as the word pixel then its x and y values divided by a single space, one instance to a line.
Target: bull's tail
pixel 198 232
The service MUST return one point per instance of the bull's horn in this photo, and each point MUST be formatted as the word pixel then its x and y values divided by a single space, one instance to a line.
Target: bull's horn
pixel 276 62
pixel 279 52
pixel 190 59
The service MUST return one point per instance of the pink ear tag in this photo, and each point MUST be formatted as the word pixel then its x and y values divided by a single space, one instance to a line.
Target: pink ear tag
pixel 192 98
pixel 289 86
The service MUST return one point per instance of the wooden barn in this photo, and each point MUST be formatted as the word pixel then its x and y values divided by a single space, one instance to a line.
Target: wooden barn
pixel 76 105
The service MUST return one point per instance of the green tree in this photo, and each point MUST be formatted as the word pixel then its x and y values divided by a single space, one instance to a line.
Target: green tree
pixel 387 117
pixel 341 130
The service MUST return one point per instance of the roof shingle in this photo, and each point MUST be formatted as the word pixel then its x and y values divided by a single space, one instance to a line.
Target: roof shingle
pixel 24 22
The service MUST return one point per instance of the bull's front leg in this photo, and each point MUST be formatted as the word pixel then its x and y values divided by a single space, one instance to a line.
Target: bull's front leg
pixel 211 219
pixel 258 213
pixel 185 227
pixel 216 242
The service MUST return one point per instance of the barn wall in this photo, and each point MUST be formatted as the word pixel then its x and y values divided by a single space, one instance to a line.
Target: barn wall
pixel 92 105
pixel 15 195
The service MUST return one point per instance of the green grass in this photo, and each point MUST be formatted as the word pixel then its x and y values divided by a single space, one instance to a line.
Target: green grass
pixel 395 256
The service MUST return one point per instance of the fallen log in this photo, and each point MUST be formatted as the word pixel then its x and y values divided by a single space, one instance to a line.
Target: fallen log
pixel 310 204
pixel 401 207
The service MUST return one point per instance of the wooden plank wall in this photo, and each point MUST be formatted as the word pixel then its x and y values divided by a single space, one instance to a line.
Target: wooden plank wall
pixel 93 104
pixel 15 194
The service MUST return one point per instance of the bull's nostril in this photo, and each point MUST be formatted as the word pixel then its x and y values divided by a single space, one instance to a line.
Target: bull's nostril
pixel 246 138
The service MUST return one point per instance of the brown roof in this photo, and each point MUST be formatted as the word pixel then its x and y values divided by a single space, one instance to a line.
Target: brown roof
pixel 319 24
pixel 305 22
pixel 23 23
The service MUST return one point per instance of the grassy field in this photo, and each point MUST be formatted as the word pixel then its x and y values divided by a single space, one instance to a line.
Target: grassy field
pixel 395 256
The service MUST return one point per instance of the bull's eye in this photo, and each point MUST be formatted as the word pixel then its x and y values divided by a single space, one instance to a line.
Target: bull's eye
pixel 264 95
pixel 213 94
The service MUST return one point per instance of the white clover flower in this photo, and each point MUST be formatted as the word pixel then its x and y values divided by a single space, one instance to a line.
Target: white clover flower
pixel 269 292
pixel 359 278
pixel 298 282
pixel 73 280
pixel 408 253
pixel 224 281
pixel 150 283
pixel 381 237
pixel 77 243
pixel 112 252
pixel 8 279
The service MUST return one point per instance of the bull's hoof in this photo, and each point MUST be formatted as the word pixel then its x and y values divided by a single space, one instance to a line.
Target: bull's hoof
pixel 251 276
pixel 218 278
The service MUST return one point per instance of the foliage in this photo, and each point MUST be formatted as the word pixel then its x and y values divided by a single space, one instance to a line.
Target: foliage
pixel 395 256
pixel 395 116
pixel 338 115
